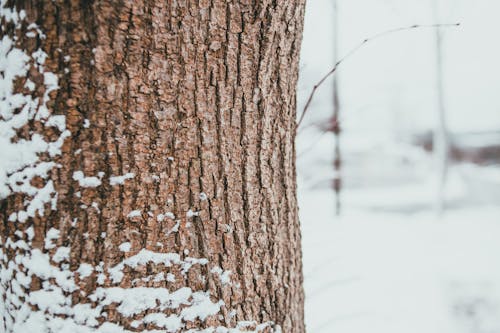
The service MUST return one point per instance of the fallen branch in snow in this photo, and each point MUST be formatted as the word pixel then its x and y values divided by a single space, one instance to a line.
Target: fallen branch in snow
pixel 356 48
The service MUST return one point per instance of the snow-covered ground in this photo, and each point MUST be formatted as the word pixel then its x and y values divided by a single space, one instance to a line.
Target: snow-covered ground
pixel 390 271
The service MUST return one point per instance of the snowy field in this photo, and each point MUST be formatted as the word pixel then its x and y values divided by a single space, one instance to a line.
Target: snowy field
pixel 389 264
pixel 375 271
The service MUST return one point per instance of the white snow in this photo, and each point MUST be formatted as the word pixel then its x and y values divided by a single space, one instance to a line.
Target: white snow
pixel 201 307
pixel 62 253
pixel 20 159
pixel 125 247
pixel 144 257
pixel 120 180
pixel 389 272
pixel 52 235
pixel 85 270
pixel 91 181
pixel 171 323
pixel 190 213
pixel 224 276
pixel 134 213
pixel 175 228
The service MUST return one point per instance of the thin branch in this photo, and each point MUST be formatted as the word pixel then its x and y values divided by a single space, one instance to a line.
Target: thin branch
pixel 356 48
pixel 311 146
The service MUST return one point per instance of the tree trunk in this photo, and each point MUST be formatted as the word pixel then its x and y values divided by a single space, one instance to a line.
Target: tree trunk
pixel 147 166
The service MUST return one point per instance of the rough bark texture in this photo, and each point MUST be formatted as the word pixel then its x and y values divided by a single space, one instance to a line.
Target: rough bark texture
pixel 197 100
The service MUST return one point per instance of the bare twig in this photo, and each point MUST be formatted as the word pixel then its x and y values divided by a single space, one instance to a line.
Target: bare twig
pixel 311 146
pixel 356 48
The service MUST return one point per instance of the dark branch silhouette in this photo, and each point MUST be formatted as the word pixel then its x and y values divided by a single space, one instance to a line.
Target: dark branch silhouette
pixel 356 48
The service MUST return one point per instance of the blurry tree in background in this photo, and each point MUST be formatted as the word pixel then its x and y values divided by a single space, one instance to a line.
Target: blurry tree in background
pixel 335 120
pixel 441 137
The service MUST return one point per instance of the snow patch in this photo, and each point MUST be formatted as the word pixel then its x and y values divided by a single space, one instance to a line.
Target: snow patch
pixel 62 254
pixel 120 180
pixel 144 257
pixel 125 247
pixel 134 213
pixel 20 159
pixel 223 275
pixel 52 235
pixel 190 213
pixel 85 270
pixel 86 181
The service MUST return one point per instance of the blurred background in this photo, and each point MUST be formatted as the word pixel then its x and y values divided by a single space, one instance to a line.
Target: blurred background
pixel 398 159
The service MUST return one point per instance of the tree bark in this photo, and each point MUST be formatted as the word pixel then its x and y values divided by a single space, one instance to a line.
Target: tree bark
pixel 150 181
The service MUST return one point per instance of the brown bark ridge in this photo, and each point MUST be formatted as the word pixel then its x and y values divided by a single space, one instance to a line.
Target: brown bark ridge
pixel 147 174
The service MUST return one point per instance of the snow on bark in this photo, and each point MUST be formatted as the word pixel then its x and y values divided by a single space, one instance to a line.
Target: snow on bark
pixel 84 181
pixel 120 180
pixel 21 159
pixel 50 306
